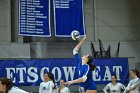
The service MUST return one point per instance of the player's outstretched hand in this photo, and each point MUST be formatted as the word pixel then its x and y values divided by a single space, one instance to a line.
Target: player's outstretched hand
pixel 68 83
pixel 85 37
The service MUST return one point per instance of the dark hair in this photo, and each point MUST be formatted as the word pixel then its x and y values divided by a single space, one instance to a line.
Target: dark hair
pixel 7 82
pixel 114 76
pixel 136 72
pixel 51 76
pixel 90 60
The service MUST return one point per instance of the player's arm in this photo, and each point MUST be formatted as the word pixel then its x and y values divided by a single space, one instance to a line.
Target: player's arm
pixel 106 88
pixel 137 84
pixel 127 88
pixel 122 87
pixel 76 49
pixel 81 79
pixel 40 88
pixel 78 46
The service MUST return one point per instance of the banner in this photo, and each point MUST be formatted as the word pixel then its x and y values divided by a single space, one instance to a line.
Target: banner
pixel 34 18
pixel 68 16
pixel 30 72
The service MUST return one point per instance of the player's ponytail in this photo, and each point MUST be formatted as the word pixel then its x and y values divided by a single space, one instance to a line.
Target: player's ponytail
pixel 90 63
pixel 51 76
pixel 59 89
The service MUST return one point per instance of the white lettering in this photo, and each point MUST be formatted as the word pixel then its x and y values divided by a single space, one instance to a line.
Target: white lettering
pixel 59 73
pixel 118 69
pixel 10 72
pixel 95 74
pixel 69 71
pixel 107 75
pixel 32 72
pixel 21 70
pixel 42 72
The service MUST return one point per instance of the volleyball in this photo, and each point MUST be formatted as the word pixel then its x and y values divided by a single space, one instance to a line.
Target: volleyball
pixel 75 35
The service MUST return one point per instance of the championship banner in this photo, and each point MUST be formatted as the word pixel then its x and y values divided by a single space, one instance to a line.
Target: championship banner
pixel 30 72
pixel 34 18
pixel 68 16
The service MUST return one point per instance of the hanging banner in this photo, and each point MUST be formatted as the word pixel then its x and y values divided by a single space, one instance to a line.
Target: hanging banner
pixel 68 16
pixel 30 72
pixel 34 18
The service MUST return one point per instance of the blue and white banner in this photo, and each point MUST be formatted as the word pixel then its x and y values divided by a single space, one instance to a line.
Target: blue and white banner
pixel 68 16
pixel 30 72
pixel 34 18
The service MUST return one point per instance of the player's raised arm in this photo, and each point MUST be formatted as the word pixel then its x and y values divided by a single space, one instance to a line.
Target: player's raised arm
pixel 78 46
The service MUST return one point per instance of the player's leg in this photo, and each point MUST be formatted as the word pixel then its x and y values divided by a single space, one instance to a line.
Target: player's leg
pixel 91 91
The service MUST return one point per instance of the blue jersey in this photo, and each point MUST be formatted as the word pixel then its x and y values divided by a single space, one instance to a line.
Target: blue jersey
pixel 84 70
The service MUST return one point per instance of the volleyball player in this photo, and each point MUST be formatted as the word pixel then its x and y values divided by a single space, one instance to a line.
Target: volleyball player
pixel 62 88
pixel 48 84
pixel 134 84
pixel 6 86
pixel 114 86
pixel 85 68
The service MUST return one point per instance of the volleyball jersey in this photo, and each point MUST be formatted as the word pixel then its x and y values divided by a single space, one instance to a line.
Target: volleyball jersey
pixel 46 87
pixel 16 90
pixel 133 86
pixel 84 71
pixel 65 90
pixel 117 88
